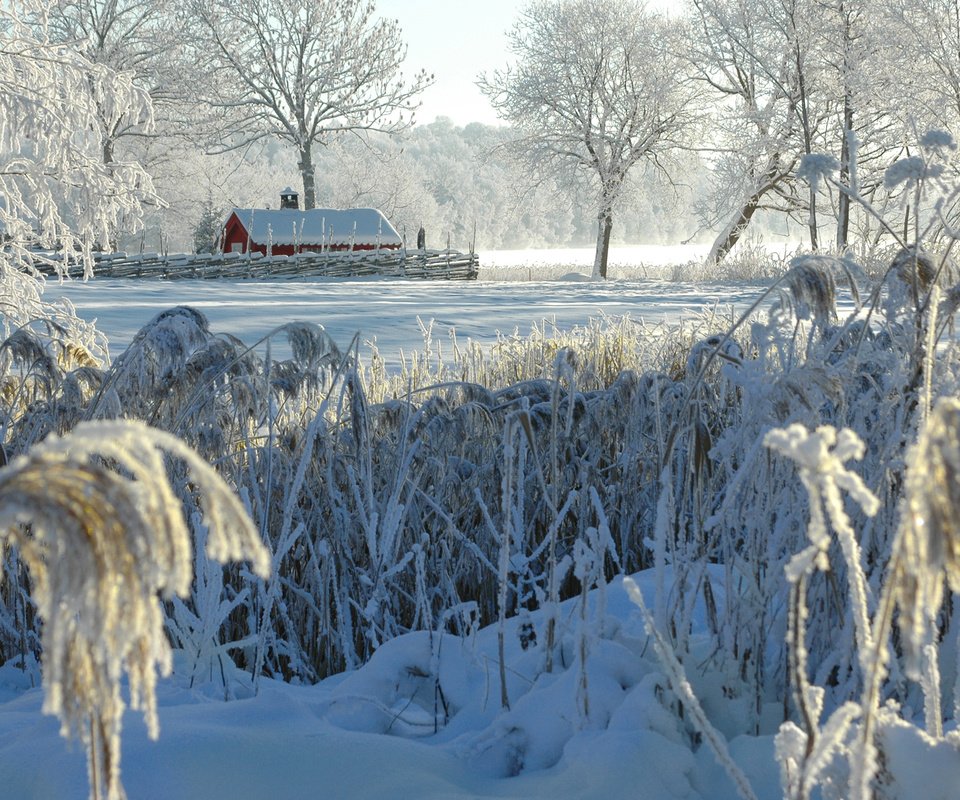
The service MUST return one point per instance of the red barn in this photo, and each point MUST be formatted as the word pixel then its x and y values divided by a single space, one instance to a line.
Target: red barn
pixel 288 230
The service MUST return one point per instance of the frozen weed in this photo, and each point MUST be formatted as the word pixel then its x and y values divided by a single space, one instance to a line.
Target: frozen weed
pixel 103 544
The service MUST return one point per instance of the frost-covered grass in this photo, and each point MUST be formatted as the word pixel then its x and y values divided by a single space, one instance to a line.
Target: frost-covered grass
pixel 498 491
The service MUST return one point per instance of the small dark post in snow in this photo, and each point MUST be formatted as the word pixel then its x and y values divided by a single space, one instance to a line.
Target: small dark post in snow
pixel 421 239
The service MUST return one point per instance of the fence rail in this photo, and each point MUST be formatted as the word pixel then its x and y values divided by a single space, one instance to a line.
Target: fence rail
pixel 424 264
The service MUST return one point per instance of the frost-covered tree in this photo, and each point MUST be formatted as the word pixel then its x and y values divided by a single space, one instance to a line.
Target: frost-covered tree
pixel 794 77
pixel 926 78
pixel 55 188
pixel 208 227
pixel 141 39
pixel 848 16
pixel 928 57
pixel 856 54
pixel 136 37
pixel 594 90
pixel 303 71
pixel 756 56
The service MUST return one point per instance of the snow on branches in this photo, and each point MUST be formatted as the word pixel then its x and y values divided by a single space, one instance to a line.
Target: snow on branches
pixel 55 189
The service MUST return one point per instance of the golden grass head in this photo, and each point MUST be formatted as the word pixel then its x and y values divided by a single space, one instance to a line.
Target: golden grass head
pixel 912 262
pixel 929 535
pixel 813 288
pixel 103 534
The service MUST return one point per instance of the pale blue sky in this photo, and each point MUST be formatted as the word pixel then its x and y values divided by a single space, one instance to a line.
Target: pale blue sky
pixel 455 40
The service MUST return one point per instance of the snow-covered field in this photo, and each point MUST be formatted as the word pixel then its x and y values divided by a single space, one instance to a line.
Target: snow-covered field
pixel 390 311
pixel 387 311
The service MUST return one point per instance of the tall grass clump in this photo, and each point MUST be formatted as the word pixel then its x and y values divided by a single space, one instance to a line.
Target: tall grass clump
pixel 372 491
pixel 876 569
pixel 790 471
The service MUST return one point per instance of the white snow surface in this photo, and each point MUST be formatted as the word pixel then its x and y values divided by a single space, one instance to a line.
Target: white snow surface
pixel 517 290
pixel 386 311
pixel 381 731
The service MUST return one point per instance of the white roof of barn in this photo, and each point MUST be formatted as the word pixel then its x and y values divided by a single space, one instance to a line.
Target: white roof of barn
pixel 317 226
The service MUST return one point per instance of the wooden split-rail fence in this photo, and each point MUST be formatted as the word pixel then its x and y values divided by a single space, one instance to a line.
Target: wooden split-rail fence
pixel 423 264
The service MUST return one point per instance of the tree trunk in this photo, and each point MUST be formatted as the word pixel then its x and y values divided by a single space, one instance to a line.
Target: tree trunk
pixel 604 227
pixel 843 206
pixel 808 149
pixel 805 122
pixel 848 145
pixel 108 153
pixel 726 241
pixel 812 220
pixel 306 172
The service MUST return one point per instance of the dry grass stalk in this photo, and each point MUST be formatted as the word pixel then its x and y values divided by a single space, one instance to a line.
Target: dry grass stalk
pixel 929 536
pixel 101 544
pixel 813 289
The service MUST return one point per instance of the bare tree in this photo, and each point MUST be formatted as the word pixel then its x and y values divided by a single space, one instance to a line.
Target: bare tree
pixel 596 88
pixel 926 55
pixel 861 53
pixel 928 58
pixel 794 77
pixel 849 16
pixel 304 71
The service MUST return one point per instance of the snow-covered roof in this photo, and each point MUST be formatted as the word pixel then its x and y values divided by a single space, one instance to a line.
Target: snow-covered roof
pixel 317 226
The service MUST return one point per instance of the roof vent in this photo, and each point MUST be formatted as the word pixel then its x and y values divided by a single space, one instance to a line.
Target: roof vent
pixel 289 198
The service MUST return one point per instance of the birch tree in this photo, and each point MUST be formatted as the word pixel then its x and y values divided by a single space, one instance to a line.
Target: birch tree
pixel 594 90
pixel 304 71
